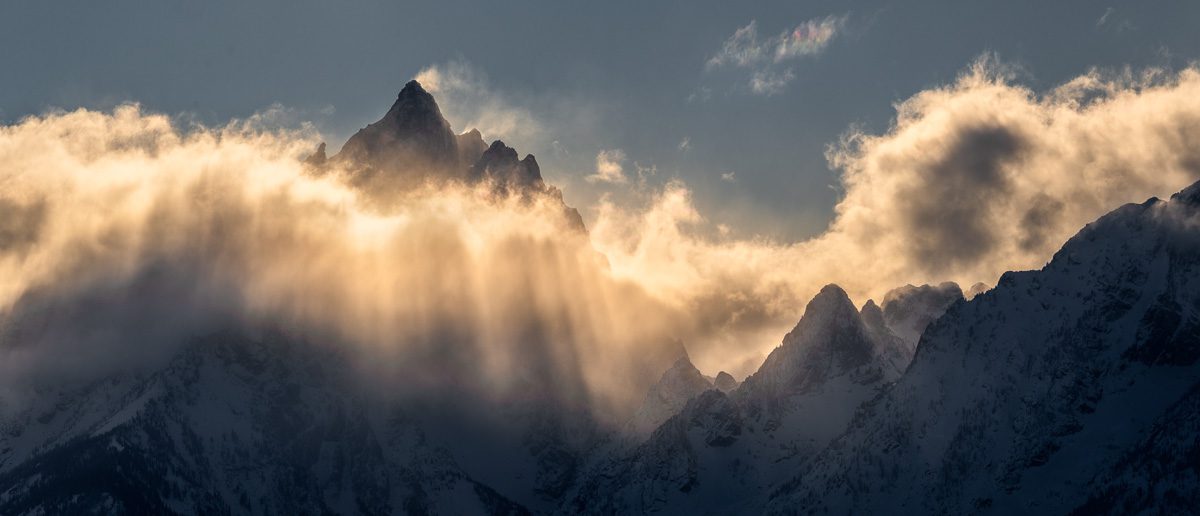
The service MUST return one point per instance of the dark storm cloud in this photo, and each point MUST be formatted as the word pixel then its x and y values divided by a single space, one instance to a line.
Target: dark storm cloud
pixel 973 179
pixel 984 175
pixel 949 208
pixel 1039 220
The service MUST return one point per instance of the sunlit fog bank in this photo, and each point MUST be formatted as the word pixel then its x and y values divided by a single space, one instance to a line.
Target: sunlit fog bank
pixel 123 236
pixel 973 179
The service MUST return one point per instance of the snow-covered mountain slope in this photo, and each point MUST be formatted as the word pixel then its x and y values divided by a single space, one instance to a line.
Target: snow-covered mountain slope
pixel 233 425
pixel 1068 388
pixel 666 398
pixel 723 452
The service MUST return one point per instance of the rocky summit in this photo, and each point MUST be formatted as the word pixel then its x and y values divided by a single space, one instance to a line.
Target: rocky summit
pixel 413 144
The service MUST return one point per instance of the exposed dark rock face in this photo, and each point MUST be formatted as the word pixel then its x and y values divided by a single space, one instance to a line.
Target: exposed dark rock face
pixel 470 148
pixel 725 382
pixel 413 144
pixel 499 163
pixel 410 143
pixel 317 159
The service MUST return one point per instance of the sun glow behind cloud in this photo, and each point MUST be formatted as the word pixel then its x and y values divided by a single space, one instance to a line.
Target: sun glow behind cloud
pixel 137 238
pixel 140 234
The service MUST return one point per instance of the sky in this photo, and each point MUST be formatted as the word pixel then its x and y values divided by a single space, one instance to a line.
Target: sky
pixel 741 101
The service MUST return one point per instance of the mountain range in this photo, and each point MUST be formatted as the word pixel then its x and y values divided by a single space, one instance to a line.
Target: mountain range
pixel 1073 388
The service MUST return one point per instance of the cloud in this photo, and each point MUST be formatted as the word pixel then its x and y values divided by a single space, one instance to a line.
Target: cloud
pixel 808 38
pixel 765 58
pixel 702 94
pixel 134 236
pixel 644 172
pixel 609 167
pixel 729 177
pixel 124 239
pixel 468 102
pixel 685 144
pixel 1104 17
pixel 984 176
pixel 770 83
pixel 742 49
pixel 973 179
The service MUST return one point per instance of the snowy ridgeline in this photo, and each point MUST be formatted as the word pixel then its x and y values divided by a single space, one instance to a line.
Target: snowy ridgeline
pixel 1072 389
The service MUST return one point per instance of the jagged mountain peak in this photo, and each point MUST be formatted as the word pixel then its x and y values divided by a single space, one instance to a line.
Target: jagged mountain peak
pixel 830 309
pixel 416 114
pixel 412 141
pixel 413 144
pixel 414 104
pixel 318 158
pixel 831 339
pixel 678 384
pixel 872 316
pixel 830 304
pixel 1027 399
pixel 413 88
pixel 470 148
pixel 499 163
pixel 725 382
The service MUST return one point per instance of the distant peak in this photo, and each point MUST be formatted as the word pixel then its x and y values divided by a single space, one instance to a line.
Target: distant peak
pixel 414 102
pixel 828 309
pixel 831 297
pixel 684 362
pixel 725 382
pixel 317 158
pixel 870 309
pixel 410 140
pixel 833 290
pixel 412 88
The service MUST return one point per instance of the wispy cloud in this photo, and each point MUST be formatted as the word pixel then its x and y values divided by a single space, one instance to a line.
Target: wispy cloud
pixel 685 144
pixel 645 172
pixel 469 102
pixel 766 82
pixel 702 94
pixel 767 58
pixel 1111 21
pixel 741 49
pixel 729 177
pixel 808 38
pixel 609 167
